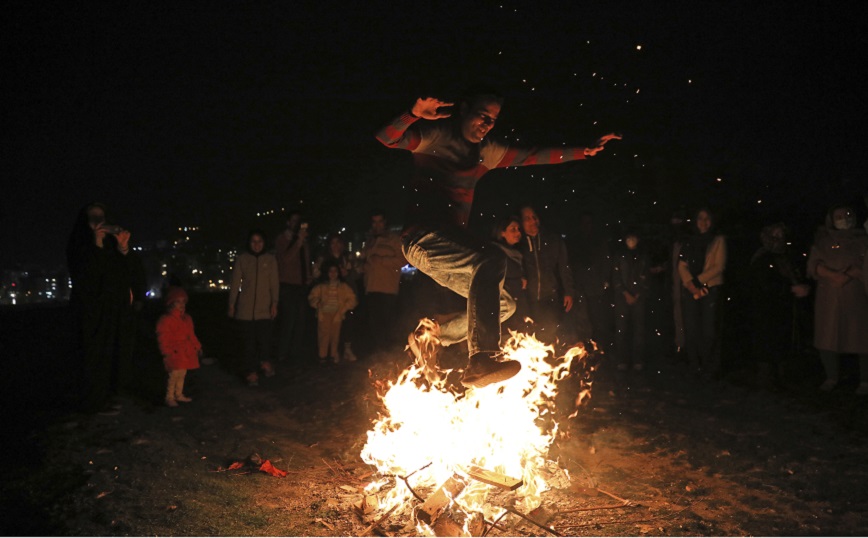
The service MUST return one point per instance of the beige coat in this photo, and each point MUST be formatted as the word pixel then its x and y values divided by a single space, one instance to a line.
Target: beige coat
pixel 841 313
pixel 712 270
pixel 254 288
pixel 383 261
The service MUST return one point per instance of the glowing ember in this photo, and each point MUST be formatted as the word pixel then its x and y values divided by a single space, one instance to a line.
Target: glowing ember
pixel 432 432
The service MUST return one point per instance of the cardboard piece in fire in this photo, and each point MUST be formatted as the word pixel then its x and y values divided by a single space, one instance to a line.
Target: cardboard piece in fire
pixel 451 153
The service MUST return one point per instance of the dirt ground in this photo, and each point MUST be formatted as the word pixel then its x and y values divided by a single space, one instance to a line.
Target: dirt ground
pixel 654 454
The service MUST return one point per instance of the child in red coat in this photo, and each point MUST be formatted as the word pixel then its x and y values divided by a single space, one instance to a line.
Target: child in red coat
pixel 178 344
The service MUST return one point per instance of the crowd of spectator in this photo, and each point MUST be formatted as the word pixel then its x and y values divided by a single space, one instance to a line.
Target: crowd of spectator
pixel 621 293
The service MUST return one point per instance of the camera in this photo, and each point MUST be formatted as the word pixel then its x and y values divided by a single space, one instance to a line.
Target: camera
pixel 113 229
pixel 303 226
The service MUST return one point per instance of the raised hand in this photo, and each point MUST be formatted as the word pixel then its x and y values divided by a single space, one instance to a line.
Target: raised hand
pixel 428 108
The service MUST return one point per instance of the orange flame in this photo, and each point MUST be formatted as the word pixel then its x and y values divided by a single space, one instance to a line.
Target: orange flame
pixel 433 431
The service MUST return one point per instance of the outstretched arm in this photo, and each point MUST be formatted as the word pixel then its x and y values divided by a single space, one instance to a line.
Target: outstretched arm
pixel 528 157
pixel 396 135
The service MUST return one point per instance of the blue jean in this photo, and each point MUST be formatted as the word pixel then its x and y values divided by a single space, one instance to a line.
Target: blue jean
pixel 475 271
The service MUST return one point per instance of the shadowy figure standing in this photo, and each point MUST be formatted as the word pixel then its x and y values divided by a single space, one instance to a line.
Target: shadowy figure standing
pixel 550 287
pixel 104 272
pixel 775 284
pixel 451 153
pixel 381 263
pixel 592 266
pixel 630 285
pixel 253 298
pixel 294 273
pixel 701 264
pixel 839 261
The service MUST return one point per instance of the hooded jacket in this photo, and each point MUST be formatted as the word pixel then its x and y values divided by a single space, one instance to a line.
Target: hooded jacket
pixel 254 288
pixel 546 267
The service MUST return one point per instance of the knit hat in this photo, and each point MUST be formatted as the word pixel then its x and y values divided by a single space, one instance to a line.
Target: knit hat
pixel 175 293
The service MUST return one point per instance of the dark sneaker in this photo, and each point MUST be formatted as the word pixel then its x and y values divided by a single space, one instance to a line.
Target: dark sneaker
pixel 484 370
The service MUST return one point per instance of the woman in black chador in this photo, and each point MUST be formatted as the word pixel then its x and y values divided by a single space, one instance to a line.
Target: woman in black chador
pixel 104 274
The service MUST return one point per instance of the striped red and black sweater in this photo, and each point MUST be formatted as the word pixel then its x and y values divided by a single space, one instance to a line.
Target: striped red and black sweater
pixel 447 167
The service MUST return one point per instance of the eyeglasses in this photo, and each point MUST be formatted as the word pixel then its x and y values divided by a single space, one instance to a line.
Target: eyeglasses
pixel 486 119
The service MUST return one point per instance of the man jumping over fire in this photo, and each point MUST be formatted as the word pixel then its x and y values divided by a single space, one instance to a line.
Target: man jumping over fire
pixel 450 155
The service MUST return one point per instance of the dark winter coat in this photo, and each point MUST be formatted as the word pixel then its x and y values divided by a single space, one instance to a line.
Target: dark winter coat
pixel 630 272
pixel 547 267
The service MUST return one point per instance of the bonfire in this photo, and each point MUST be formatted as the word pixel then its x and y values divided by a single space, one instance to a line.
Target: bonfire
pixel 443 451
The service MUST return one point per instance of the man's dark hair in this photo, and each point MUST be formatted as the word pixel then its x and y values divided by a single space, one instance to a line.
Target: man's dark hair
pixel 526 205
pixel 378 212
pixel 481 94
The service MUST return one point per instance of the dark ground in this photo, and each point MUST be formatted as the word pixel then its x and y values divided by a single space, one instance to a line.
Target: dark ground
pixel 693 458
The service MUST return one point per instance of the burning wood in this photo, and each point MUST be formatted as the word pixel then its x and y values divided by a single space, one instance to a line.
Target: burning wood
pixel 494 479
pixel 439 501
pixel 465 444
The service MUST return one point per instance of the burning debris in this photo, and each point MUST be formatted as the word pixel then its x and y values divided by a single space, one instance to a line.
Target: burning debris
pixel 453 460
pixel 253 463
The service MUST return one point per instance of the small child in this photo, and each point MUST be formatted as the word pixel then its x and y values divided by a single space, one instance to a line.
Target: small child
pixel 331 299
pixel 178 344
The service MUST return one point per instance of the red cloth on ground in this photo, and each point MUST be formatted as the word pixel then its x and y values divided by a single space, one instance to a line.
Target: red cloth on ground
pixel 267 467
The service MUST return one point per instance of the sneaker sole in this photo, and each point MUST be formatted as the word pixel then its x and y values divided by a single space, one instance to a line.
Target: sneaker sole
pixel 509 369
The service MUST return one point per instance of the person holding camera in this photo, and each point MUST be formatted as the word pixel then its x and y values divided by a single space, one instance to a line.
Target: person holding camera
pixel 294 273
pixel 103 271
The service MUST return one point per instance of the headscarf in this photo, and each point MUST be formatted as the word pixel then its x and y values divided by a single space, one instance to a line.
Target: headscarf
pixel 82 237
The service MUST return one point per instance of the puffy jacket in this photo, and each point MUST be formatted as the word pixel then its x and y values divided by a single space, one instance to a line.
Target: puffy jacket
pixel 178 342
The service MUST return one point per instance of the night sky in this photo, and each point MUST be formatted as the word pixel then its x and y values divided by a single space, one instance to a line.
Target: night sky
pixel 203 114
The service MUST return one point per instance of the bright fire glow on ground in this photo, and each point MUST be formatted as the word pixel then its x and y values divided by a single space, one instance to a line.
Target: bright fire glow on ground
pixel 433 433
